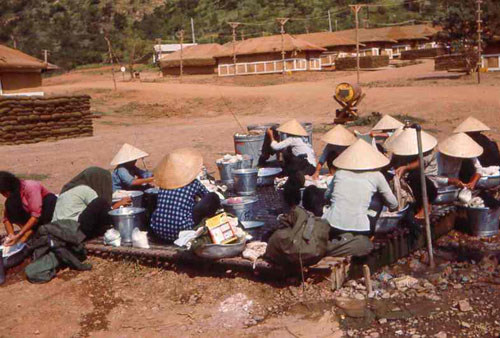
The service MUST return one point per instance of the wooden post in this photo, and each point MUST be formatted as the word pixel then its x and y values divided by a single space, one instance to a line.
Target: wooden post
pixel 356 9
pixel 329 21
pixel 180 35
pixel 46 55
pixel 234 25
pixel 368 279
pixel 111 59
pixel 479 40
pixel 282 22
pixel 192 31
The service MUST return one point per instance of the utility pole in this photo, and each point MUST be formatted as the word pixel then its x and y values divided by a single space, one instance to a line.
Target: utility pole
pixel 111 58
pixel 356 9
pixel 180 35
pixel 242 35
pixel 479 40
pixel 234 25
pixel 330 21
pixel 282 22
pixel 192 31
pixel 158 56
pixel 46 55
pixel 336 25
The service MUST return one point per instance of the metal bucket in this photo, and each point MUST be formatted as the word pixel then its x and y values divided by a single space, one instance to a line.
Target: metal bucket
pixel 249 144
pixel 483 221
pixel 308 127
pixel 136 197
pixel 226 171
pixel 245 210
pixel 446 195
pixel 126 219
pixel 389 223
pixel 488 182
pixel 263 127
pixel 245 181
pixel 266 176
pixel 246 163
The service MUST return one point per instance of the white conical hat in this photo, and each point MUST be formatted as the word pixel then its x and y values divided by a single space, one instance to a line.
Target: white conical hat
pixel 178 169
pixel 361 156
pixel 387 122
pixel 339 136
pixel 128 153
pixel 460 145
pixel 471 125
pixel 293 127
pixel 393 137
pixel 406 144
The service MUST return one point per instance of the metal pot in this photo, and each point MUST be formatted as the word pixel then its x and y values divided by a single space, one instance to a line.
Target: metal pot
pixel 218 251
pixel 266 176
pixel 136 197
pixel 226 171
pixel 488 182
pixel 245 181
pixel 446 195
pixel 126 219
pixel 245 210
pixel 387 224
pixel 483 221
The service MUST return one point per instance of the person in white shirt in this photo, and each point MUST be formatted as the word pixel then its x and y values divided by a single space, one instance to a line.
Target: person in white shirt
pixel 298 155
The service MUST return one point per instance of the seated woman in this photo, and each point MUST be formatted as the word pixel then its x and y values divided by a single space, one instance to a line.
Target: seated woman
pixel 28 204
pixel 385 127
pixel 474 128
pixel 86 199
pixel 337 139
pixel 354 185
pixel 126 175
pixel 404 150
pixel 298 155
pixel 177 207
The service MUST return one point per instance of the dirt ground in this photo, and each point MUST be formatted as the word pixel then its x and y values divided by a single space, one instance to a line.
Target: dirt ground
pixel 158 115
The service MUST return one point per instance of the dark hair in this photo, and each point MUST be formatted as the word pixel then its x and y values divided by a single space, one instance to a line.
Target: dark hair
pixel 297 179
pixel 291 195
pixel 313 200
pixel 11 184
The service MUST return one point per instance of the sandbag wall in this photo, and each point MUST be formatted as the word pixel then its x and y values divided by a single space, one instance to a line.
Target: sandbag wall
pixel 421 53
pixel 377 61
pixel 451 62
pixel 32 120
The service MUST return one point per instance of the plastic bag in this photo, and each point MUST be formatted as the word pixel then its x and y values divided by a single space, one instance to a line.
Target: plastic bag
pixel 112 237
pixel 140 239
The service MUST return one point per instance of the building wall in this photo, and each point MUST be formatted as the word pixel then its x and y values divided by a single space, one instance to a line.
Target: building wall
pixel 20 81
pixel 267 57
pixel 189 70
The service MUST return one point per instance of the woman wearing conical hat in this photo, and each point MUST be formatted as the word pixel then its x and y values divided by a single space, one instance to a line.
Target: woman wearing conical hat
pixel 126 175
pixel 298 154
pixel 385 127
pixel 490 156
pixel 183 201
pixel 356 181
pixel 337 140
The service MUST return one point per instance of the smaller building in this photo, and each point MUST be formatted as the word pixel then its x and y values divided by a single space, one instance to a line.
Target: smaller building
pixel 197 59
pixel 490 60
pixel 20 73
pixel 160 50
pixel 263 56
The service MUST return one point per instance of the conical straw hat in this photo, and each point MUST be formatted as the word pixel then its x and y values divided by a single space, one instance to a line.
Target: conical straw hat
pixel 361 156
pixel 471 125
pixel 339 136
pixel 178 169
pixel 406 143
pixel 387 122
pixel 128 153
pixel 393 137
pixel 460 145
pixel 293 127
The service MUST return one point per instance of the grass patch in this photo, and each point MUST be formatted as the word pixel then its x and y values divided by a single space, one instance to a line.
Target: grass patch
pixel 113 123
pixel 412 119
pixel 91 66
pixel 34 177
pixel 372 119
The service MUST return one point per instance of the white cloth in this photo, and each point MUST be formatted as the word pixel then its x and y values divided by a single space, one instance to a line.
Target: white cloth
pixel 299 147
pixel 351 193
pixel 185 237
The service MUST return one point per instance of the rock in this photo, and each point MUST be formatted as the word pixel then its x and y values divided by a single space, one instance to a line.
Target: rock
pixel 250 322
pixel 382 321
pixel 399 332
pixel 374 335
pixel 415 336
pixel 352 307
pixel 258 319
pixel 464 306
pixel 441 334
pixel 465 325
pixel 359 296
pixel 371 294
pixel 384 276
pixel 386 295
pixel 404 282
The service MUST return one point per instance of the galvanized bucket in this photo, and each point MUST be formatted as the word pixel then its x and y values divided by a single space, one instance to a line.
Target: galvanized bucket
pixel 226 171
pixel 249 144
pixel 126 219
pixel 245 181
pixel 244 210
pixel 387 224
pixel 483 221
pixel 446 195
pixel 488 182
pixel 137 197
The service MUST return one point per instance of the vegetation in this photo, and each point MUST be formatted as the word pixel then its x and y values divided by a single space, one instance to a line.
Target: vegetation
pixel 75 31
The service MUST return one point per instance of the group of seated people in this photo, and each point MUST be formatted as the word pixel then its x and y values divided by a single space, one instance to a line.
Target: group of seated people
pixel 359 172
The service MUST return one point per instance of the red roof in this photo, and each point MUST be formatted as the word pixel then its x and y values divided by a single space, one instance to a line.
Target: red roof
pixel 14 59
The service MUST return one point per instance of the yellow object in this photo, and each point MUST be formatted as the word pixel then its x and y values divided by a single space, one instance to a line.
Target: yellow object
pixel 347 92
pixel 220 229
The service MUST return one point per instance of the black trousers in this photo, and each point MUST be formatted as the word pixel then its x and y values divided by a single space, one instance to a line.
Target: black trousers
pixel 48 206
pixel 95 220
pixel 267 150
pixel 294 164
pixel 206 207
pixel 416 187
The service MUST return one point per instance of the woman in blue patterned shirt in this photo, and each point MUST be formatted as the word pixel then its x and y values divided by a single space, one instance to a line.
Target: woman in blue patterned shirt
pixel 182 200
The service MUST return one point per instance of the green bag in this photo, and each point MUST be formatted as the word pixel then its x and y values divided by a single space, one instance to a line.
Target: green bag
pixel 305 238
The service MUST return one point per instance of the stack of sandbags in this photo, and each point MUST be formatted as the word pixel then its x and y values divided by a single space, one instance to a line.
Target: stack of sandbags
pixel 367 62
pixel 421 53
pixel 453 62
pixel 31 120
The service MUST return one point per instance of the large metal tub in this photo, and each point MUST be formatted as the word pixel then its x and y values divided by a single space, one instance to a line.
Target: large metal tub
pixel 387 224
pixel 245 181
pixel 446 195
pixel 266 176
pixel 218 251
pixel 226 171
pixel 488 182
pixel 244 210
pixel 136 196
pixel 249 144
pixel 483 222
pixel 126 219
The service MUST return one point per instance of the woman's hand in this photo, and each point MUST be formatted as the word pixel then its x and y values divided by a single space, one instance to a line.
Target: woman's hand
pixel 123 202
pixel 401 171
pixel 11 240
pixel 456 182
